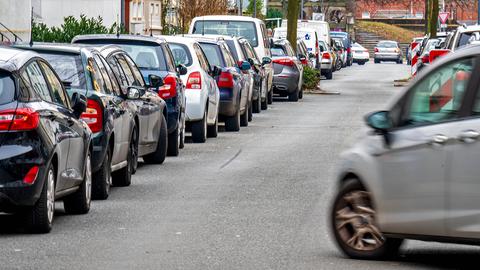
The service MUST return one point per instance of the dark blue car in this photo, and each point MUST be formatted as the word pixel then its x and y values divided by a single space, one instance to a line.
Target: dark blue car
pixel 155 60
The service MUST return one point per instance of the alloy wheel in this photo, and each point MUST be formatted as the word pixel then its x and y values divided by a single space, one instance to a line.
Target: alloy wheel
pixel 50 195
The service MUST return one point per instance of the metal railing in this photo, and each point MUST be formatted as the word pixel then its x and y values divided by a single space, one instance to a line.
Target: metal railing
pixel 5 38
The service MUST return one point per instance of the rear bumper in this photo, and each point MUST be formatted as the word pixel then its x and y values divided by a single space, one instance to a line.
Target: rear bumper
pixel 229 102
pixel 388 56
pixel 173 114
pixel 100 144
pixel 326 65
pixel 195 107
pixel 286 82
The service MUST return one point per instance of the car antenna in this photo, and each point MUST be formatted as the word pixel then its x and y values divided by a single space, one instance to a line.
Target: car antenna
pixel 151 29
pixel 31 27
pixel 118 30
pixel 203 25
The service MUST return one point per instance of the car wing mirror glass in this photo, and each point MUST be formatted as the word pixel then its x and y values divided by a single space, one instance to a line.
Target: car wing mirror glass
pixel 216 71
pixel 380 121
pixel 155 81
pixel 79 104
pixel 266 60
pixel 133 93
pixel 182 69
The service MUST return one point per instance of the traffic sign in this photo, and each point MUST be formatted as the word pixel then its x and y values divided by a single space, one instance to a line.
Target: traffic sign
pixel 443 16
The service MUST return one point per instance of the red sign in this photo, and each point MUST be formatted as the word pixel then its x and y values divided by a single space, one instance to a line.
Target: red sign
pixel 443 16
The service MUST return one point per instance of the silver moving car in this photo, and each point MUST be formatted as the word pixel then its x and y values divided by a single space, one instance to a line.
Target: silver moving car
pixel 387 50
pixel 288 70
pixel 416 173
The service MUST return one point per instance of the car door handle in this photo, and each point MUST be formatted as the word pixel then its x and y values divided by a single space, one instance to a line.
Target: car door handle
pixel 469 136
pixel 439 139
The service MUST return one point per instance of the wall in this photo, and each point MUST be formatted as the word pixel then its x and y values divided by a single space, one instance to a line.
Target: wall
pixel 20 23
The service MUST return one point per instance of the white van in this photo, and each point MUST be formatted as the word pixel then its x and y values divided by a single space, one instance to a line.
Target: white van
pixel 322 28
pixel 308 35
pixel 252 29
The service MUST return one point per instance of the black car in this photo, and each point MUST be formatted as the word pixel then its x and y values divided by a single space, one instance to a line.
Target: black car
pixel 45 149
pixel 230 82
pixel 154 57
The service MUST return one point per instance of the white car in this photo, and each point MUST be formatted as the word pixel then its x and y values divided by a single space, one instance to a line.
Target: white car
pixel 360 54
pixel 201 91
pixel 309 36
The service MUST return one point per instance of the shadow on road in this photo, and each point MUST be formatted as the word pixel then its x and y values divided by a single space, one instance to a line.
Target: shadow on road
pixel 13 224
pixel 441 259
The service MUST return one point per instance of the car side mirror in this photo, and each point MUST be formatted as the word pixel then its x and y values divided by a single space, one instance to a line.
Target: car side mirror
pixel 133 92
pixel 266 60
pixel 302 57
pixel 311 55
pixel 380 121
pixel 155 81
pixel 245 65
pixel 216 71
pixel 252 63
pixel 79 104
pixel 182 69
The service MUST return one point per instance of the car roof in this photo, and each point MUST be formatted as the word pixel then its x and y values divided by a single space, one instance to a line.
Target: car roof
pixel 56 47
pixel 212 37
pixel 122 37
pixel 178 38
pixel 12 59
pixel 302 29
pixel 227 18
pixel 471 28
pixel 385 41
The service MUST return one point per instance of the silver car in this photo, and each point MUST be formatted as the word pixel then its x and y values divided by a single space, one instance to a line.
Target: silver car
pixel 416 173
pixel 288 70
pixel 387 50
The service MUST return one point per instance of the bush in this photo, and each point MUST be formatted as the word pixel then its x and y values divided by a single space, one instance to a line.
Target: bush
pixel 70 28
pixel 311 77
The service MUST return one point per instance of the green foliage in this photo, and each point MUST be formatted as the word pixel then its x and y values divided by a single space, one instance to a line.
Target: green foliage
pixel 72 27
pixel 251 7
pixel 273 13
pixel 311 77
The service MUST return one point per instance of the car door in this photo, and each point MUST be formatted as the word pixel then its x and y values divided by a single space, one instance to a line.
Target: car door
pixel 463 184
pixel 413 164
pixel 210 83
pixel 75 130
pixel 237 75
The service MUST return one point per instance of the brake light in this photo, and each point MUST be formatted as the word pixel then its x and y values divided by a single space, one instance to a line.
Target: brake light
pixel 376 49
pixel 284 62
pixel 31 175
pixel 349 50
pixel 93 116
pixel 326 56
pixel 304 61
pixel 194 81
pixel 225 80
pixel 19 119
pixel 426 58
pixel 169 87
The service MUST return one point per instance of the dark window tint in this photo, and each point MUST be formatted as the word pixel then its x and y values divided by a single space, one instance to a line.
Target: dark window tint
pixel 233 50
pixel 111 75
pixel 58 93
pixel 96 75
pixel 103 70
pixel 229 61
pixel 146 56
pixel 126 70
pixel 112 60
pixel 69 68
pixel 228 28
pixel 181 54
pixel 213 53
pixel 137 75
pixel 169 58
pixel 35 76
pixel 7 87
pixel 201 58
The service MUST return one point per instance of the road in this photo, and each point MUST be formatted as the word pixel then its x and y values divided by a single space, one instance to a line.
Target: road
pixel 257 199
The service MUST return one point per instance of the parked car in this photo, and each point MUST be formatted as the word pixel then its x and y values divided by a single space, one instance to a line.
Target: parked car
pixel 230 81
pixel 309 37
pixel 339 54
pixel 328 60
pixel 254 30
pixel 414 175
pixel 360 54
pixel 303 55
pixel 347 45
pixel 320 26
pixel 46 148
pixel 110 114
pixel 203 96
pixel 154 58
pixel 387 50
pixel 288 76
pixel 424 58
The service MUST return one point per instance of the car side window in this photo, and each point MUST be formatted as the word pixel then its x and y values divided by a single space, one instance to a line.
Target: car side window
pixel 97 78
pixel 136 72
pixel 439 96
pixel 169 58
pixel 201 58
pixel 126 69
pixel 103 70
pixel 38 82
pixel 228 57
pixel 111 76
pixel 57 91
pixel 112 60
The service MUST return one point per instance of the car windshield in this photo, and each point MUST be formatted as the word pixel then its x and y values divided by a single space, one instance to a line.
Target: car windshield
pixel 181 54
pixel 69 68
pixel 146 57
pixel 213 54
pixel 7 87
pixel 228 28
pixel 388 45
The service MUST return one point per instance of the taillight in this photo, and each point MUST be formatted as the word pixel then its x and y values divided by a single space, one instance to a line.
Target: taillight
pixel 376 49
pixel 169 87
pixel 19 119
pixel 194 81
pixel 304 61
pixel 93 116
pixel 326 56
pixel 426 59
pixel 225 80
pixel 31 175
pixel 349 50
pixel 284 62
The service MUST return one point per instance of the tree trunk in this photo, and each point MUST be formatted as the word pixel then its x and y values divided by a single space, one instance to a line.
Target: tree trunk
pixel 292 16
pixel 427 16
pixel 434 18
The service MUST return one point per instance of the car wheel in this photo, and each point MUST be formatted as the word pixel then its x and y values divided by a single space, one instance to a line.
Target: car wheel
pixel 270 97
pixel 174 143
pixel 361 63
pixel 353 221
pixel 182 136
pixel 400 61
pixel 135 152
pixel 250 112
pixel 376 61
pixel 293 96
pixel 212 131
pixel 102 179
pixel 232 123
pixel 244 117
pixel 264 104
pixel 256 105
pixel 123 177
pixel 39 218
pixel 199 130
pixel 158 157
pixel 79 202
pixel 300 94
pixel 329 74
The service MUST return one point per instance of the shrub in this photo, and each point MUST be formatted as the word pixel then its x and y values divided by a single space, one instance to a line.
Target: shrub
pixel 311 77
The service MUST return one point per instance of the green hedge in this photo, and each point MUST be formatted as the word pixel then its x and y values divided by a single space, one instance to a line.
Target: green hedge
pixel 311 77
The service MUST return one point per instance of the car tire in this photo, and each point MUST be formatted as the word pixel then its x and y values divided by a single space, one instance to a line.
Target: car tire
pixel 244 117
pixel 351 193
pixel 264 104
pixel 361 63
pixel 135 153
pixel 199 130
pixel 102 179
pixel 250 112
pixel 79 202
pixel 182 137
pixel 174 143
pixel 329 74
pixel 300 94
pixel 270 97
pixel 158 157
pixel 212 131
pixel 293 96
pixel 376 61
pixel 256 105
pixel 123 177
pixel 232 123
pixel 39 217
pixel 400 61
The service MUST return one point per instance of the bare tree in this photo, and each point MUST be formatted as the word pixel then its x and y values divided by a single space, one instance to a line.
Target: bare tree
pixel 189 9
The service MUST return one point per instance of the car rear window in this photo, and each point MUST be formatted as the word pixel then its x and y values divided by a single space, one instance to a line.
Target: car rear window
pixel 213 54
pixel 228 28
pixel 181 54
pixel 387 45
pixel 233 50
pixel 278 51
pixel 7 87
pixel 69 68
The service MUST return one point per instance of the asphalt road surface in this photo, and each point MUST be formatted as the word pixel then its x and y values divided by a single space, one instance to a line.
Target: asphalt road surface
pixel 257 199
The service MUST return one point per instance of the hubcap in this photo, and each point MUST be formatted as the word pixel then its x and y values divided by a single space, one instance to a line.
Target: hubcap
pixel 88 181
pixel 50 195
pixel 355 222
